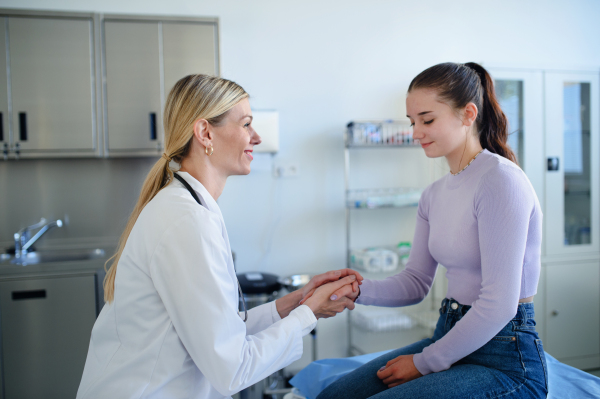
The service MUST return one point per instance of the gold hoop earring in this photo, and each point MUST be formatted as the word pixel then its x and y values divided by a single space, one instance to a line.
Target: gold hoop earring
pixel 206 151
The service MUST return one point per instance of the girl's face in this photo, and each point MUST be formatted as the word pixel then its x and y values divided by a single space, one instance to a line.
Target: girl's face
pixel 439 129
pixel 234 141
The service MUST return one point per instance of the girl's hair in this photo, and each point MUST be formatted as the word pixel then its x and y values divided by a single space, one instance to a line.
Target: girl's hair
pixel 459 84
pixel 193 97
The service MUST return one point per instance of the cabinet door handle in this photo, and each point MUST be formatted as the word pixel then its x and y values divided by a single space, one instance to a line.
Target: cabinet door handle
pixel 554 313
pixel 22 126
pixel 152 125
pixel 33 294
pixel 553 164
pixel 1 127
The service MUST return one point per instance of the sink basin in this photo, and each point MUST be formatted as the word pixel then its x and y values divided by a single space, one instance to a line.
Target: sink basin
pixel 50 256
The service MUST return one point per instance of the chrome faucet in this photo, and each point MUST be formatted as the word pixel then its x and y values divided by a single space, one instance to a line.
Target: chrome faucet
pixel 23 239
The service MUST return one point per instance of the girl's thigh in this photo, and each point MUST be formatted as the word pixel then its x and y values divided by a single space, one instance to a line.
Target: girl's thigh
pixel 363 382
pixel 460 382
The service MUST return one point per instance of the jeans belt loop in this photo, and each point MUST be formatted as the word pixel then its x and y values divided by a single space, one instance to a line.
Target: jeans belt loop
pixel 523 312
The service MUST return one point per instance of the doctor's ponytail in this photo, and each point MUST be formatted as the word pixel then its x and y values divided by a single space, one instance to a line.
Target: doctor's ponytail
pixel 460 84
pixel 193 97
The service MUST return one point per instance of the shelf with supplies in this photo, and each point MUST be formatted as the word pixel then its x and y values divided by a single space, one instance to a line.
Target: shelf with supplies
pixel 380 185
pixel 383 198
pixel 380 319
pixel 379 134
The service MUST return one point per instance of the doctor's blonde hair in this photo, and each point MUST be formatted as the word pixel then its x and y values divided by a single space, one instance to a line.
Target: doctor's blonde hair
pixel 193 97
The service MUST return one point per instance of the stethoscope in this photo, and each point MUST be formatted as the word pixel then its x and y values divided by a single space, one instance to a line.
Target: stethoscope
pixel 189 188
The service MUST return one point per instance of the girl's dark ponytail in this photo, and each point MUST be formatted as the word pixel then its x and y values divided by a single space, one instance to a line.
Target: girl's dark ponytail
pixel 460 84
pixel 491 121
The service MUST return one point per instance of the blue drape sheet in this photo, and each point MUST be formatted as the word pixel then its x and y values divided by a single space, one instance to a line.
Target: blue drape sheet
pixel 565 382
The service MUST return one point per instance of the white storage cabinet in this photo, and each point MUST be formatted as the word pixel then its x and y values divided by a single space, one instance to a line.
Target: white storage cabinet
pixel 555 119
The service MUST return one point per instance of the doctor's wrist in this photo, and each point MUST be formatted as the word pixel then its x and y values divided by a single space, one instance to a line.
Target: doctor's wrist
pixel 288 303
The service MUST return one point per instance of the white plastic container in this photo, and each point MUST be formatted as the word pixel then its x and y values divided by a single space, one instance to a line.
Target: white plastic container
pixel 380 319
pixel 374 260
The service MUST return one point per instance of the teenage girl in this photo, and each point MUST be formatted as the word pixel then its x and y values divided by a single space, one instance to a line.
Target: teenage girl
pixel 483 223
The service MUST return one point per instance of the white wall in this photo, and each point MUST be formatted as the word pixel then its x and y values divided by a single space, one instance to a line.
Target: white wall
pixel 324 63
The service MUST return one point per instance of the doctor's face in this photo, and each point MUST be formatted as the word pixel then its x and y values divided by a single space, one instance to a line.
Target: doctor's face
pixel 436 125
pixel 234 141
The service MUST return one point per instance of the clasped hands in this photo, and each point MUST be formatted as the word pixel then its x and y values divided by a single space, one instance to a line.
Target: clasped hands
pixel 326 294
pixel 330 293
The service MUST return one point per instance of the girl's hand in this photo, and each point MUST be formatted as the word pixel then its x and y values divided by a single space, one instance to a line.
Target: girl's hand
pixel 328 277
pixel 398 371
pixel 322 305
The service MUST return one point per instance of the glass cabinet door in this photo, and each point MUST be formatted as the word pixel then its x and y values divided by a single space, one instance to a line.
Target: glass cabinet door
pixel 510 96
pixel 572 162
pixel 520 94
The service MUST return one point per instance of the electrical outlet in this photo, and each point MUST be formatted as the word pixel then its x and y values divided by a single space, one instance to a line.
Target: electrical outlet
pixel 285 170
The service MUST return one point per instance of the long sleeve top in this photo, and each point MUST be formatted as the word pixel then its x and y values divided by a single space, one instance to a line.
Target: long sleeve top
pixel 484 226
pixel 173 329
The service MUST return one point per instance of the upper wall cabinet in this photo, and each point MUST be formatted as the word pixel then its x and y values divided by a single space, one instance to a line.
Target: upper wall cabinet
pixel 188 48
pixel 47 104
pixel 4 132
pixel 143 60
pixel 89 85
pixel 133 87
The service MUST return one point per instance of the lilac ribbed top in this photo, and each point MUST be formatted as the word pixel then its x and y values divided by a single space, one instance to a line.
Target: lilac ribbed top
pixel 484 226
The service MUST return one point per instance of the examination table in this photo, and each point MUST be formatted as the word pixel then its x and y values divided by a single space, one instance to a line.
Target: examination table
pixel 565 382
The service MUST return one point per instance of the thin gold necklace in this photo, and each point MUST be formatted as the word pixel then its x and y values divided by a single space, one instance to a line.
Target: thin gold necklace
pixel 476 155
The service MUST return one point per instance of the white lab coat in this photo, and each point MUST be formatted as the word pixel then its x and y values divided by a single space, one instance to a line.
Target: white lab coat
pixel 173 329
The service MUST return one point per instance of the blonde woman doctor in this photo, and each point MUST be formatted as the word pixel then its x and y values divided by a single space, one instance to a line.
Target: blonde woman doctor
pixel 171 327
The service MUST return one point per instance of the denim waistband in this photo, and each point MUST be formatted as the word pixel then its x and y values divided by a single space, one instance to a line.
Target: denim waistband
pixel 451 306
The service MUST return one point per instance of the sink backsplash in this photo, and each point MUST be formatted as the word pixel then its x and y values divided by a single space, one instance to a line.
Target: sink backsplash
pixel 95 195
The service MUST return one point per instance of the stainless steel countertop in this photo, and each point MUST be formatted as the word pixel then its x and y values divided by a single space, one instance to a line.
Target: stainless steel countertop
pixel 50 269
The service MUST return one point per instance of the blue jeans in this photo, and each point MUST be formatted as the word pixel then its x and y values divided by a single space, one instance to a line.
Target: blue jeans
pixel 511 365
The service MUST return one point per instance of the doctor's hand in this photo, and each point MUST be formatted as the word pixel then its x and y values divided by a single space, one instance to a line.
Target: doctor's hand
pixel 328 277
pixel 398 371
pixel 321 303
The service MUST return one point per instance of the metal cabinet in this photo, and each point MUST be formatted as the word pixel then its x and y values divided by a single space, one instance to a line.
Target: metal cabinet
pixel 51 91
pixel 52 103
pixel 133 86
pixel 188 48
pixel 143 60
pixel 4 116
pixel 45 333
